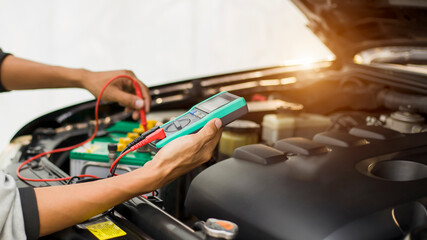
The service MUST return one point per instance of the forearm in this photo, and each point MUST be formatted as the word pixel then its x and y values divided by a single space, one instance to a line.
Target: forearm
pixel 63 206
pixel 18 73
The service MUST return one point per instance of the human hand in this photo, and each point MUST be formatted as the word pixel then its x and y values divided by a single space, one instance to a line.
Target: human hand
pixel 185 153
pixel 120 90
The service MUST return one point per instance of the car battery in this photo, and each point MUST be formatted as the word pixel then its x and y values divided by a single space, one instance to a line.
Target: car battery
pixel 94 158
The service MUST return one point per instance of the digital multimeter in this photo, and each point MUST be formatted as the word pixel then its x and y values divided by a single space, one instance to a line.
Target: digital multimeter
pixel 224 105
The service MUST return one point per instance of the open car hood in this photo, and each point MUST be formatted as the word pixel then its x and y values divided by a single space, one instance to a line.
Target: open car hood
pixel 348 27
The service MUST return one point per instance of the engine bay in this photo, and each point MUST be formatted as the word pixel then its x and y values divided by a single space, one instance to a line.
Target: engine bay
pixel 325 152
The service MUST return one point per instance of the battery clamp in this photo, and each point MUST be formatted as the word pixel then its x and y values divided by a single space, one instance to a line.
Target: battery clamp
pixel 224 105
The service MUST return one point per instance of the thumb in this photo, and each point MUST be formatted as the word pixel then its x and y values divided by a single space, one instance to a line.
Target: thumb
pixel 209 131
pixel 126 99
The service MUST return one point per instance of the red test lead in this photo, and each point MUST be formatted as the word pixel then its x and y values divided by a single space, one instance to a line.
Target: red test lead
pixel 141 111
pixel 159 134
pixel 143 122
pixel 156 135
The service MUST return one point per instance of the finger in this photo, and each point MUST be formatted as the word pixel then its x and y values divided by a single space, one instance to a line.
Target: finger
pixel 135 115
pixel 209 131
pixel 126 99
pixel 210 146
pixel 206 151
pixel 144 90
pixel 145 95
pixel 128 85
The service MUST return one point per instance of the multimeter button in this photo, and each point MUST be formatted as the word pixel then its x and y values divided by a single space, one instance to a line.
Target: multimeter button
pixel 177 125
pixel 199 114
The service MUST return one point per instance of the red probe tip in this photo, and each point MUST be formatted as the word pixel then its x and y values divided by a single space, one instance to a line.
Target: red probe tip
pixel 157 135
pixel 143 119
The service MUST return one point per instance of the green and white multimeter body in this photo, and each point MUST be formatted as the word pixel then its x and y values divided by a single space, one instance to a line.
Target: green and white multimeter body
pixel 224 105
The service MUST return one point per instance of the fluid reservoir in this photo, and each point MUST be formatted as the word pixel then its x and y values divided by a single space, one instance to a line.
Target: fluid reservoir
pixel 280 126
pixel 236 134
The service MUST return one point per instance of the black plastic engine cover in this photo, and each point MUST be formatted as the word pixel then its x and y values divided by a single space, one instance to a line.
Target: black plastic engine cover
pixel 370 190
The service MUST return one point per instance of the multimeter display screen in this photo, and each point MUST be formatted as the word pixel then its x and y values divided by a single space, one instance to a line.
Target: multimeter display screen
pixel 213 104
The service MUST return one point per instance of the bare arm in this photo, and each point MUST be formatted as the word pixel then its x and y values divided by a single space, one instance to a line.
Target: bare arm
pixel 17 73
pixel 63 206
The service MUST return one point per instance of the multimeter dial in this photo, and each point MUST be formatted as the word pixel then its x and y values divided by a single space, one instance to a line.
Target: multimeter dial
pixel 177 125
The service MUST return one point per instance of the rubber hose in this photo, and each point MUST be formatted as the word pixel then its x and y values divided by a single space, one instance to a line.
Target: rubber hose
pixel 397 100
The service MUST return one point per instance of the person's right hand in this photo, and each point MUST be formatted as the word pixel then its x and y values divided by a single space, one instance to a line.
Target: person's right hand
pixel 121 90
pixel 185 153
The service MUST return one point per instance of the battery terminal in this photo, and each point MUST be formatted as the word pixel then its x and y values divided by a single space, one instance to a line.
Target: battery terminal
pixel 132 135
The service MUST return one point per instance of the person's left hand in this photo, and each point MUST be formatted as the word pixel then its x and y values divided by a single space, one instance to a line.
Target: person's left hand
pixel 185 153
pixel 120 90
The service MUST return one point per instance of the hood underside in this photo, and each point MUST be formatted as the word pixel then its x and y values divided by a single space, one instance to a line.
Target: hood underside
pixel 348 26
